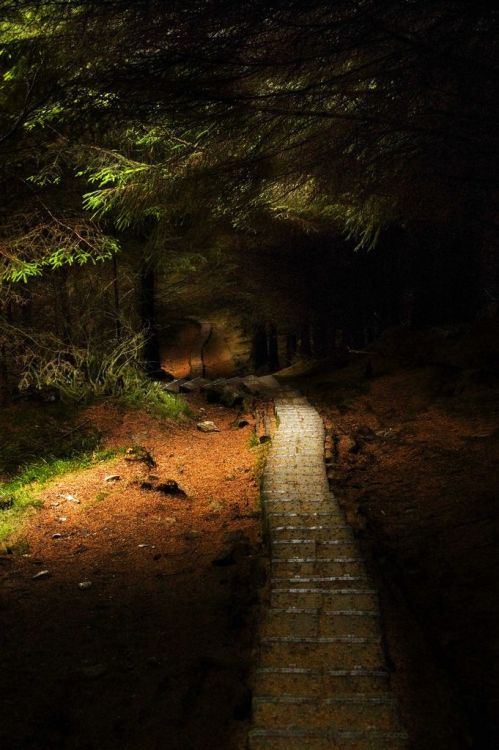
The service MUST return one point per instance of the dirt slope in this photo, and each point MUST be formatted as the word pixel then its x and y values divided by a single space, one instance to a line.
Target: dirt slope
pixel 155 653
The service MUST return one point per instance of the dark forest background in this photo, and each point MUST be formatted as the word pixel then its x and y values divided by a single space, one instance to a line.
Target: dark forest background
pixel 316 167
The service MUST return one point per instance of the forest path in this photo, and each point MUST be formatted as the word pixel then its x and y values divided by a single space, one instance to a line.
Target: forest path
pixel 321 681
pixel 182 354
pixel 197 352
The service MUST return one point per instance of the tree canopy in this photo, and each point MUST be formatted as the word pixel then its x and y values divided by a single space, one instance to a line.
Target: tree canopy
pixel 188 121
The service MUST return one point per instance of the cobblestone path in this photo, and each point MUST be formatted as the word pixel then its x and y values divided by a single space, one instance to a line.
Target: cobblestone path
pixel 321 681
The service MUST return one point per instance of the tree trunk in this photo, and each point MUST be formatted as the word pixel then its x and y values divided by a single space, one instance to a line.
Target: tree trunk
pixel 291 347
pixel 117 301
pixel 273 354
pixel 305 343
pixel 259 347
pixel 147 309
pixel 62 305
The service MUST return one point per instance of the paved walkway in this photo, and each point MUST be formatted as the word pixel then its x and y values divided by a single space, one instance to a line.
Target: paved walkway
pixel 321 681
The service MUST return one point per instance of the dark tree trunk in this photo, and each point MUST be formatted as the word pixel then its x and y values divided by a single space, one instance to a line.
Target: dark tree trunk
pixel 62 305
pixel 320 338
pixel 259 348
pixel 117 302
pixel 147 308
pixel 291 347
pixel 305 343
pixel 273 352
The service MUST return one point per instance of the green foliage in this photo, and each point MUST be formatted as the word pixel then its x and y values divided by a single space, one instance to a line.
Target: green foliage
pixel 157 185
pixel 100 370
pixel 28 251
pixel 140 393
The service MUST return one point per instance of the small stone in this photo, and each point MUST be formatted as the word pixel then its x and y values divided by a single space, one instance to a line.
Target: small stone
pixel 141 546
pixel 57 536
pixel 85 585
pixel 191 535
pixel 170 487
pixel 348 444
pixel 240 423
pixel 41 574
pixel 62 519
pixel 112 478
pixel 139 453
pixel 70 499
pixel 268 383
pixel 233 537
pixel 207 426
pixel 225 559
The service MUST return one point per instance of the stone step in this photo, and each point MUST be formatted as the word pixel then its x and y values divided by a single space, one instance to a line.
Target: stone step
pixel 319 532
pixel 320 582
pixel 313 566
pixel 318 682
pixel 293 456
pixel 286 497
pixel 193 385
pixel 334 652
pixel 302 597
pixel 297 518
pixel 313 622
pixel 296 739
pixel 174 385
pixel 210 383
pixel 269 383
pixel 292 470
pixel 282 502
pixel 364 712
pixel 299 486
pixel 286 548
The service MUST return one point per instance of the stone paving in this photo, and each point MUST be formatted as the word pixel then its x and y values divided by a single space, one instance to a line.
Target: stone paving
pixel 321 681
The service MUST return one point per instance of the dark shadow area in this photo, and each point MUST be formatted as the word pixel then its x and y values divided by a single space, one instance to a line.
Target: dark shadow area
pixel 415 447
pixel 33 431
pixel 129 662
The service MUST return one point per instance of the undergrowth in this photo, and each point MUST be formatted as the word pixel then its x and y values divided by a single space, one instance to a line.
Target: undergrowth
pixel 33 432
pixel 101 368
pixel 150 396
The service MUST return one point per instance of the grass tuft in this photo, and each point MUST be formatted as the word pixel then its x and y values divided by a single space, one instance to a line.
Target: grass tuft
pixel 20 494
pixel 150 396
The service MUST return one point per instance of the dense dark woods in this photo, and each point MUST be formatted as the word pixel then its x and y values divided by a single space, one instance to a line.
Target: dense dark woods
pixel 205 128
pixel 306 175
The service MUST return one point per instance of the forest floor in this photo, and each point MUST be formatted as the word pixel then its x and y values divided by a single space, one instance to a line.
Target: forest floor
pixel 417 443
pixel 140 635
pixel 156 651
